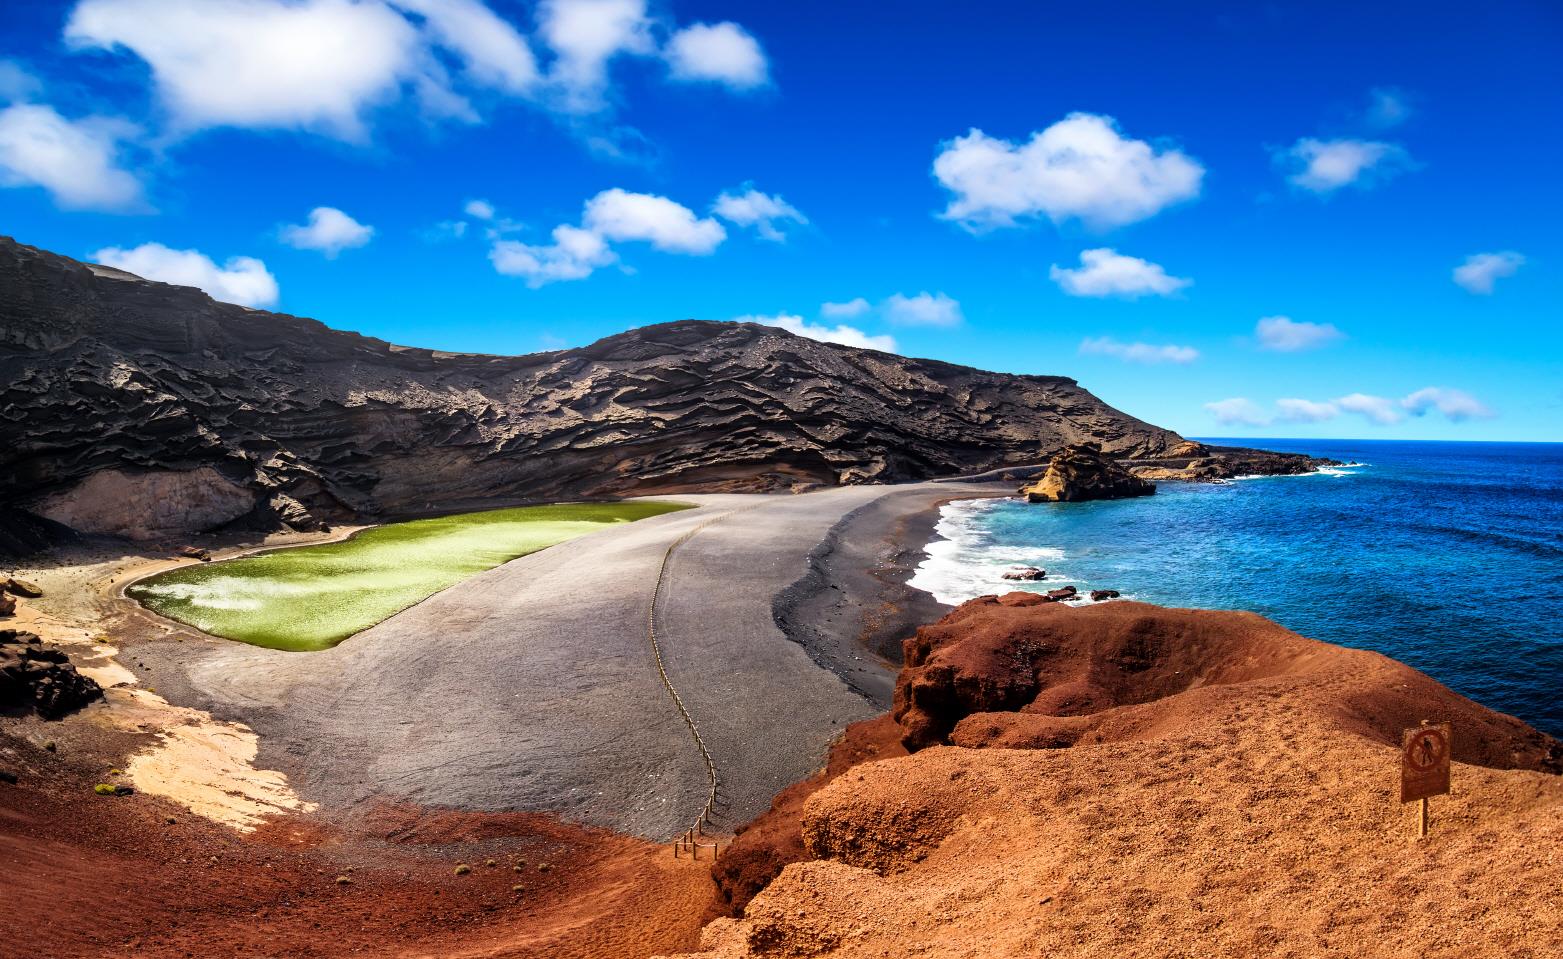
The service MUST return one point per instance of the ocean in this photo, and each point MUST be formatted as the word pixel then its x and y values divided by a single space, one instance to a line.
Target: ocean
pixel 1445 556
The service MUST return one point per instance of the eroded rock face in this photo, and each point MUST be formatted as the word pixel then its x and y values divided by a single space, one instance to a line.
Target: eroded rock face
pixel 1081 472
pixel 38 677
pixel 147 505
pixel 102 371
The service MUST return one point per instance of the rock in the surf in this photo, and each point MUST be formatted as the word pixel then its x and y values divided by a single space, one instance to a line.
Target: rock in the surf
pixel 1081 472
pixel 1062 593
pixel 1025 574
pixel 1099 595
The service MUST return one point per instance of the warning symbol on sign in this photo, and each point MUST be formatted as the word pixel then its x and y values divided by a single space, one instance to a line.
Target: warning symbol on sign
pixel 1424 762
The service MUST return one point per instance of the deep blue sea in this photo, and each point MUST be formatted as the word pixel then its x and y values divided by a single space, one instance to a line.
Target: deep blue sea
pixel 1446 556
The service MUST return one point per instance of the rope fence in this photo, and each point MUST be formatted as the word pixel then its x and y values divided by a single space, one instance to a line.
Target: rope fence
pixel 690 840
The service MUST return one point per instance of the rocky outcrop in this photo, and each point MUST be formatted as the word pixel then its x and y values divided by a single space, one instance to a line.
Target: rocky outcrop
pixel 35 676
pixel 1081 472
pixel 1025 574
pixel 160 387
pixel 1192 462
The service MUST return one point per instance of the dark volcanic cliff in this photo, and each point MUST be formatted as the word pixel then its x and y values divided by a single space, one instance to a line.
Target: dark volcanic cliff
pixel 137 407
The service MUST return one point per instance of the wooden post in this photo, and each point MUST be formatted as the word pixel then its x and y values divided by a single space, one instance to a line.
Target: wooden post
pixel 1421 826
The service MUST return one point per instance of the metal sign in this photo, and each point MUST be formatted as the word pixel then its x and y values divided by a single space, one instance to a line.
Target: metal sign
pixel 1424 762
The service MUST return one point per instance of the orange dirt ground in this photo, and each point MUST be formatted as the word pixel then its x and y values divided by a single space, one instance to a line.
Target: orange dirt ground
pixel 1132 781
pixel 89 875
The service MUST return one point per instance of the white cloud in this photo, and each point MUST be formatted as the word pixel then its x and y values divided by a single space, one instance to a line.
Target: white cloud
pixel 1106 272
pixel 1379 409
pixel 1139 352
pixel 759 210
pixel 1457 405
pixel 585 36
pixel 1387 107
pixel 1079 168
pixel 1306 411
pixel 668 226
pixel 1481 271
pixel 718 53
pixel 479 209
pixel 492 51
pixel 1286 335
pixel 313 64
pixel 1238 411
pixel 845 335
pixel 16 83
pixel 77 161
pixel 573 255
pixel 924 309
pixel 329 230
pixel 853 307
pixel 1324 166
pixel 243 279
pixel 613 215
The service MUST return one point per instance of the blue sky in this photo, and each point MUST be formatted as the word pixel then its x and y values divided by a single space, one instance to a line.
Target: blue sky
pixel 1263 220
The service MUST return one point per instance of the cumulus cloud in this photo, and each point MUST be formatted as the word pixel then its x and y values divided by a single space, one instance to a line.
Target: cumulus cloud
pixel 1138 352
pixel 313 64
pixel 671 227
pixel 1106 272
pixel 1306 411
pixel 77 161
pixel 326 65
pixel 1457 405
pixel 1324 166
pixel 853 307
pixel 1238 411
pixel 612 216
pixel 759 210
pixel 924 309
pixel 717 53
pixel 1379 409
pixel 1081 168
pixel 243 279
pixel 845 335
pixel 479 209
pixel 1481 271
pixel 574 254
pixel 1286 335
pixel 329 230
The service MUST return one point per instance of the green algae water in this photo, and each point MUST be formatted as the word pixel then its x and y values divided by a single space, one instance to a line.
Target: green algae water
pixel 309 598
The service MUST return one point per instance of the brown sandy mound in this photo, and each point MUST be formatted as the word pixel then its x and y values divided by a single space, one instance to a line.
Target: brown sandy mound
pixel 774 839
pixel 91 875
pixel 1229 791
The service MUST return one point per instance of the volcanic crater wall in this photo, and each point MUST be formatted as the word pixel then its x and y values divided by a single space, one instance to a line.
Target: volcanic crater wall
pixel 103 371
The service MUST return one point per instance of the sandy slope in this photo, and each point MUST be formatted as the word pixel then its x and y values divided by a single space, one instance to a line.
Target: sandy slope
pixel 1208 785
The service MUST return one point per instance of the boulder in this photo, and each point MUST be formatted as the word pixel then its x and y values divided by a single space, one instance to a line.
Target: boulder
pixel 7 604
pixel 195 552
pixel 37 676
pixel 1081 472
pixel 21 587
pixel 1025 574
pixel 1099 595
pixel 1062 593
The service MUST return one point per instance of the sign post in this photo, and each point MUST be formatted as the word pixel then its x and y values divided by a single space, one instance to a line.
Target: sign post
pixel 1424 767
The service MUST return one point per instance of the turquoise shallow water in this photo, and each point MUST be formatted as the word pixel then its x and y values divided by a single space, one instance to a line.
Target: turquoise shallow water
pixel 1446 556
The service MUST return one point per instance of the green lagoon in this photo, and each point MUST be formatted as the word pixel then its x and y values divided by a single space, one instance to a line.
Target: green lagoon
pixel 310 598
